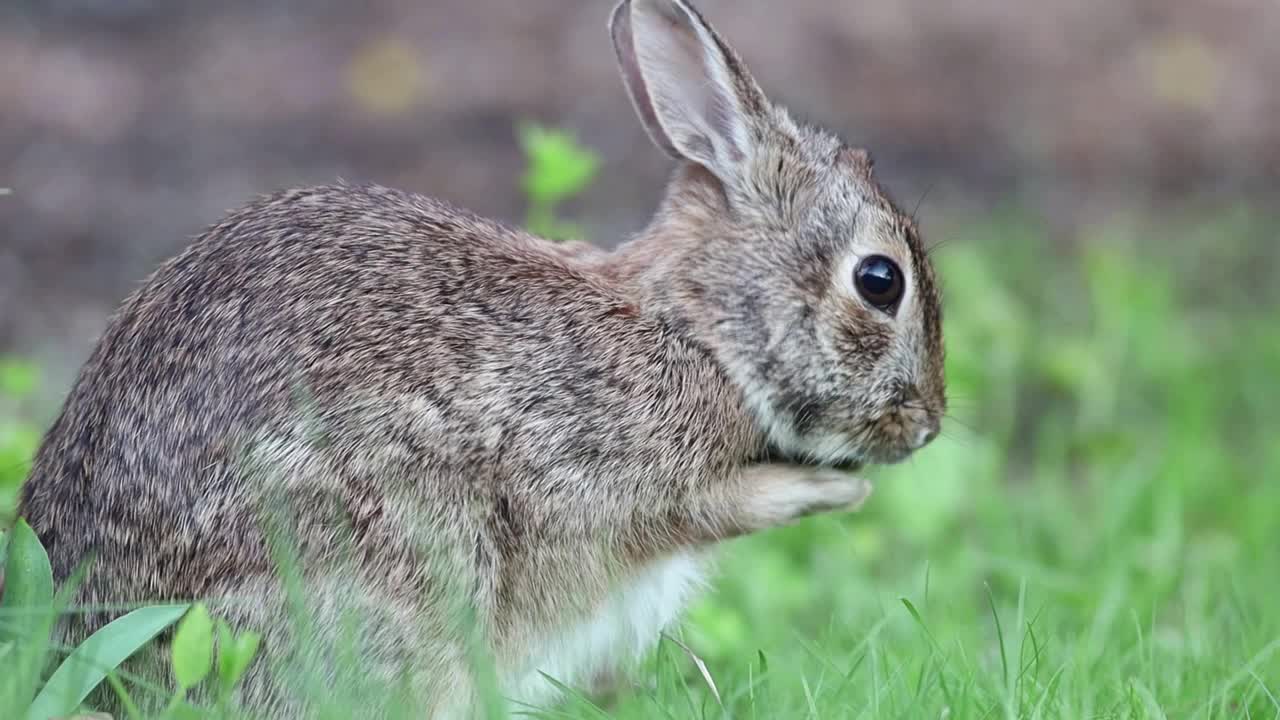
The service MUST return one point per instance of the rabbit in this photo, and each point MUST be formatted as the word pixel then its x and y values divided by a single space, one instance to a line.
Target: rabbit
pixel 485 444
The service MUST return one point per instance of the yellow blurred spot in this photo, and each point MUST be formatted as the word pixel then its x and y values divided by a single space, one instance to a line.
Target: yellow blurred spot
pixel 385 77
pixel 1183 71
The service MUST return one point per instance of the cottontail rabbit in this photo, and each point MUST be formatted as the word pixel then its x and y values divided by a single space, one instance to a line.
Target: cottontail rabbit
pixel 450 412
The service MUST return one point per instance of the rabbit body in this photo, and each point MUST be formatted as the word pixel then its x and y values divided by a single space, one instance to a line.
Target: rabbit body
pixel 435 381
pixel 466 436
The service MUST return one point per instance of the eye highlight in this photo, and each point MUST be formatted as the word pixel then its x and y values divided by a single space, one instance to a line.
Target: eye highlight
pixel 879 282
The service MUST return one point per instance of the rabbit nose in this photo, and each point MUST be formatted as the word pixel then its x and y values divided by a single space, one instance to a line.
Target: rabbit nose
pixel 926 434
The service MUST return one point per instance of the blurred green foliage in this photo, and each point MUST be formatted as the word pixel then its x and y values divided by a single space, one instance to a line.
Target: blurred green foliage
pixel 556 169
pixel 18 437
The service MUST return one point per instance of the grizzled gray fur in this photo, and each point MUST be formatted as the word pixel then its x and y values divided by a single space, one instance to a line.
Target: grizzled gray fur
pixel 441 413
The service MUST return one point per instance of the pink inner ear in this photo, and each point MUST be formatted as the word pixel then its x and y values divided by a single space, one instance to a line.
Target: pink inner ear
pixel 629 63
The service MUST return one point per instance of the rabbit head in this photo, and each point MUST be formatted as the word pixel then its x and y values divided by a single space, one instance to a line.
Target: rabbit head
pixel 778 250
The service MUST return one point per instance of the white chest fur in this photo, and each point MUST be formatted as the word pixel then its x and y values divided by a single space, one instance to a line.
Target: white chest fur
pixel 626 626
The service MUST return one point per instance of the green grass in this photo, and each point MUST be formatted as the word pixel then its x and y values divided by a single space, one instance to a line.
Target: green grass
pixel 1096 534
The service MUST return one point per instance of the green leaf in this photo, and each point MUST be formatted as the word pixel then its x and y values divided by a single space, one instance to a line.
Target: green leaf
pixel 28 577
pixel 226 650
pixel 246 650
pixel 193 647
pixel 558 167
pixel 100 653
pixel 234 655
pixel 27 614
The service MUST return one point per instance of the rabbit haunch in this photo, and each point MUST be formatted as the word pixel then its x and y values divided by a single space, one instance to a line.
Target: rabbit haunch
pixel 441 412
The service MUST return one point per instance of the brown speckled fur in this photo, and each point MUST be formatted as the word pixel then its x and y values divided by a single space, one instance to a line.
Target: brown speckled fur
pixel 436 403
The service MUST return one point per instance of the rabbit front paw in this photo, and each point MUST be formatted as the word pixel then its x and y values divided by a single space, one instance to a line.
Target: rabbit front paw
pixel 777 494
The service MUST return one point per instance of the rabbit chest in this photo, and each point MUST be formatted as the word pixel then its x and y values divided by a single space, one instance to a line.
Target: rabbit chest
pixel 623 627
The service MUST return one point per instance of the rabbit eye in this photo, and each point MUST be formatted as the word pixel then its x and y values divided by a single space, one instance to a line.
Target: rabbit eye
pixel 879 281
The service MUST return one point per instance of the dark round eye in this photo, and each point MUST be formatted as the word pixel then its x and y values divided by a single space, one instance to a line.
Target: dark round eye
pixel 879 281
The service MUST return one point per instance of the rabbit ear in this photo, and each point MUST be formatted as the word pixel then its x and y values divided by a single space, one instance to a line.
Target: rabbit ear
pixel 691 90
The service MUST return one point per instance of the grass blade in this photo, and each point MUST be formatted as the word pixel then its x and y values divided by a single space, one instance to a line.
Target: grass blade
pixel 102 652
pixel 28 576
pixel 1004 659
pixel 27 614
pixel 702 668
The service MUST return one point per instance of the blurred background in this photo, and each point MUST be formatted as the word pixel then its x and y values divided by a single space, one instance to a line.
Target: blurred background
pixel 126 126
pixel 1101 178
